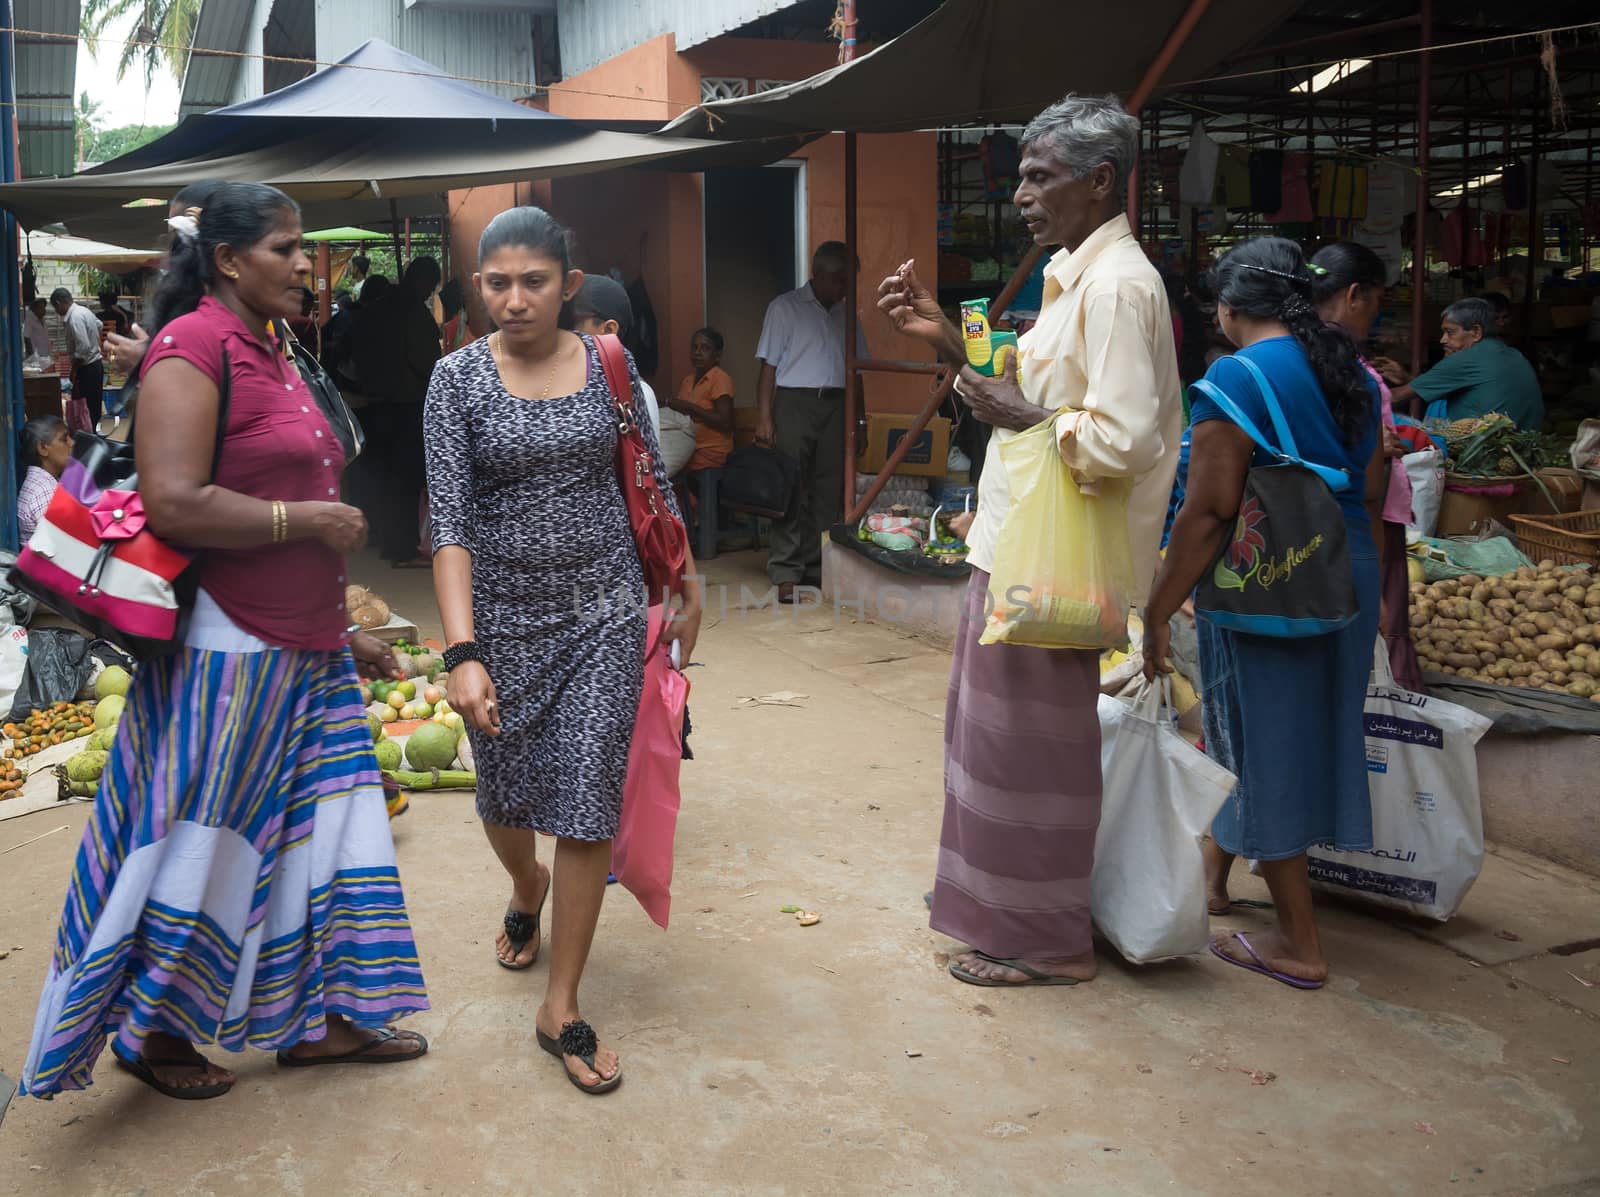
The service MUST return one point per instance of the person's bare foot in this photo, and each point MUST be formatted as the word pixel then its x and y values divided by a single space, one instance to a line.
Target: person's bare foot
pixel 344 1038
pixel 170 1047
pixel 606 1062
pixel 1275 952
pixel 982 966
pixel 529 904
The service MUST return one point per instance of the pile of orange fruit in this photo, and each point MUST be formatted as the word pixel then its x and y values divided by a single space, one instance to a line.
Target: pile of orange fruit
pixel 54 725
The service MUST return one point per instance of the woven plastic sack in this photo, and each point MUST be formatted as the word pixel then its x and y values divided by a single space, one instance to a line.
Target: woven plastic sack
pixel 1063 572
pixel 1448 558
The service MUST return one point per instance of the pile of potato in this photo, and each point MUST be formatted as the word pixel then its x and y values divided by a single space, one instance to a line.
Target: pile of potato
pixel 1536 629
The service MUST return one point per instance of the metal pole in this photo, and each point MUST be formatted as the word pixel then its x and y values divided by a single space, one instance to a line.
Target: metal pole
pixel 324 281
pixel 13 413
pixel 1419 236
pixel 847 30
pixel 852 294
pixel 1147 85
pixel 1535 213
pixel 852 298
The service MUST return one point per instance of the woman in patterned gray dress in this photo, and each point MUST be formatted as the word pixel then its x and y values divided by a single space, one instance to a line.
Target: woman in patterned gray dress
pixel 539 587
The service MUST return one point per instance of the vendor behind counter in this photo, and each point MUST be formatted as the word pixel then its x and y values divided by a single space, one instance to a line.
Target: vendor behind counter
pixel 1480 373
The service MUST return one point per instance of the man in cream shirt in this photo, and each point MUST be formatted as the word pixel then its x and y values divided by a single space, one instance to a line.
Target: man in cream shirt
pixel 1022 762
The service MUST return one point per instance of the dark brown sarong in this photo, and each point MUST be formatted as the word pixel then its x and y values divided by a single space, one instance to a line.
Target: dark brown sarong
pixel 1021 796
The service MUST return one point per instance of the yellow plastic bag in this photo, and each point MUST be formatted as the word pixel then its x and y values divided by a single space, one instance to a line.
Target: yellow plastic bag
pixel 1063 572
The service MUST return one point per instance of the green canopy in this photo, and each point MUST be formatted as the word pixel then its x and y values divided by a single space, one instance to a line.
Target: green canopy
pixel 346 234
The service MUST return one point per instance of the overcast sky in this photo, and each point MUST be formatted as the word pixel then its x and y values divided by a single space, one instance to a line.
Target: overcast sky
pixel 125 103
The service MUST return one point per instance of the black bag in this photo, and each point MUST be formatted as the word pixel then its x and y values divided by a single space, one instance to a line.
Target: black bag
pixel 330 400
pixel 761 481
pixel 58 666
pixel 1285 570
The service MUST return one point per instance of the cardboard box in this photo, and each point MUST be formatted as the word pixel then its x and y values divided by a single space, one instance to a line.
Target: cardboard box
pixel 1565 487
pixel 928 457
pixel 1461 512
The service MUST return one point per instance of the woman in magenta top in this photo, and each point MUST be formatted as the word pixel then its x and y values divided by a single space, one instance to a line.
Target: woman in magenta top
pixel 237 883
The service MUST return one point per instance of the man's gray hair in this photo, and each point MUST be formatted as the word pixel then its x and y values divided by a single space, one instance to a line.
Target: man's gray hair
pixel 831 255
pixel 1084 131
pixel 1471 313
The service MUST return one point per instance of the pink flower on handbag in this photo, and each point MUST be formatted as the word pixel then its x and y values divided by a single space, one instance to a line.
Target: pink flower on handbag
pixel 117 515
pixel 1247 542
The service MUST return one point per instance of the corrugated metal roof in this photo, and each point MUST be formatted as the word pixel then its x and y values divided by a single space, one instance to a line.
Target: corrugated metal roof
pixel 290 33
pixel 593 31
pixel 210 82
pixel 479 45
pixel 46 81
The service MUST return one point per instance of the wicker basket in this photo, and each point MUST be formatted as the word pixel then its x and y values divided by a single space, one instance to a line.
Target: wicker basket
pixel 1567 539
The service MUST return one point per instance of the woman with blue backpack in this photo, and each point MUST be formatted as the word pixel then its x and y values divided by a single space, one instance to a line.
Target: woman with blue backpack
pixel 1275 542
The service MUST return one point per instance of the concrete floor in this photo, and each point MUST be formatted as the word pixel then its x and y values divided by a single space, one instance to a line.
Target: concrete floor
pixel 763 1057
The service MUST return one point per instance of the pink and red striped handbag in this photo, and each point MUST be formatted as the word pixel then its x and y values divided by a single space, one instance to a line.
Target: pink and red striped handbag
pixel 94 559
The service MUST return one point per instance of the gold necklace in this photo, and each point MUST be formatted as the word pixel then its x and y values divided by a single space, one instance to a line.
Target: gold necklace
pixel 497 351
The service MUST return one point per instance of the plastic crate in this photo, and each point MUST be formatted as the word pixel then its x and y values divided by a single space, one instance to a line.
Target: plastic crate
pixel 1567 539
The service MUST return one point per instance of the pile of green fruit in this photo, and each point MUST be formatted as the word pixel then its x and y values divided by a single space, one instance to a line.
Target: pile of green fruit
pixel 80 775
pixel 429 756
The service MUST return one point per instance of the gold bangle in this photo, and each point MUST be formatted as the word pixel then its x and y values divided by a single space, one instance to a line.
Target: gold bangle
pixel 280 522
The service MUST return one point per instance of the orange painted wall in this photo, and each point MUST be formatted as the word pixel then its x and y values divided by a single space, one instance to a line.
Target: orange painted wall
pixel 650 221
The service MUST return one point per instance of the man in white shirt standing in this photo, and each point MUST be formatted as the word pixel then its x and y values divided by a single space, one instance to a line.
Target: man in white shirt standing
pixel 35 336
pixel 801 410
pixel 83 339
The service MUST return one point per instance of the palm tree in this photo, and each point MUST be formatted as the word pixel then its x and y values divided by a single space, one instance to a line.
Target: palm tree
pixel 161 37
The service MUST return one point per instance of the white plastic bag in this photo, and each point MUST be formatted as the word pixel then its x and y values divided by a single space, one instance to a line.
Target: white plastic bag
pixel 13 663
pixel 1427 824
pixel 1148 887
pixel 1426 473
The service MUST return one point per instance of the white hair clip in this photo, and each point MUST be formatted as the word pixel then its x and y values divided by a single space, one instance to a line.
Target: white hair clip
pixel 184 226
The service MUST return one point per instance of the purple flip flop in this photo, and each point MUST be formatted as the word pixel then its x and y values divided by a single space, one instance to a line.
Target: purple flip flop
pixel 1260 965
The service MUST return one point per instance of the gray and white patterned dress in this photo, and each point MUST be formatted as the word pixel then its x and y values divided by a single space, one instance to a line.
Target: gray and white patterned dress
pixel 529 487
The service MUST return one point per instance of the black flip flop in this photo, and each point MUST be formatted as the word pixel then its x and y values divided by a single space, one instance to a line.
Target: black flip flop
pixel 522 929
pixel 578 1039
pixel 1033 975
pixel 1247 903
pixel 145 1070
pixel 361 1055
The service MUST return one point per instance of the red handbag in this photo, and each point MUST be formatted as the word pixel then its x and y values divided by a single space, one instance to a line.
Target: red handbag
pixel 660 536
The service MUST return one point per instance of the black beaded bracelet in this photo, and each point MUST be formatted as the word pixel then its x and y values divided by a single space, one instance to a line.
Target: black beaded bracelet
pixel 458 654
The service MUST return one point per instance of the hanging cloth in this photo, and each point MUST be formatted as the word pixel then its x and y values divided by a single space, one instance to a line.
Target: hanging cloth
pixel 1296 191
pixel 1266 180
pixel 1342 191
pixel 1197 180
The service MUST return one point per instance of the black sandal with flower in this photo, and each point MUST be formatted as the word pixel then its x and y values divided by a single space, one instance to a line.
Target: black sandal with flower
pixel 578 1039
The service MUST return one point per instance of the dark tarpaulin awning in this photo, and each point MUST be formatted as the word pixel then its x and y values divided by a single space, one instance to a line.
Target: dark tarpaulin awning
pixel 374 84
pixel 342 139
pixel 989 62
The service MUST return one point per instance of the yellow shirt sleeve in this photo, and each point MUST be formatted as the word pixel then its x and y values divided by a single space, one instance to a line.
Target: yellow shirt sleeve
pixel 1116 432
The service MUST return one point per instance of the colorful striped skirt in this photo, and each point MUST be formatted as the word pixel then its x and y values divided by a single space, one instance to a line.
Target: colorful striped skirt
pixel 1021 795
pixel 236 883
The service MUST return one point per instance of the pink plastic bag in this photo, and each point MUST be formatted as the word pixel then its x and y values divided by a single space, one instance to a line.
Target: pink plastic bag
pixel 78 419
pixel 641 853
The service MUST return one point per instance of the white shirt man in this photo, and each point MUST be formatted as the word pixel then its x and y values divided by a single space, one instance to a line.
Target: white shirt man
pixel 34 334
pixel 83 334
pixel 801 409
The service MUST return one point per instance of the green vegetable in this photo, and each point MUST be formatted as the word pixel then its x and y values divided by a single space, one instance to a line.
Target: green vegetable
pixel 788 910
pixel 431 746
pixel 436 779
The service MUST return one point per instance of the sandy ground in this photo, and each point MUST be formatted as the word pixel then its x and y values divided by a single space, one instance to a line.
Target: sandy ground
pixel 763 1057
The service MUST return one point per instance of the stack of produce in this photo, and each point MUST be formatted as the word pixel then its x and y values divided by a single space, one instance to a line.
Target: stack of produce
pixel 366 608
pixel 1490 446
pixel 43 729
pixel 80 776
pixel 1535 629
pixel 436 754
